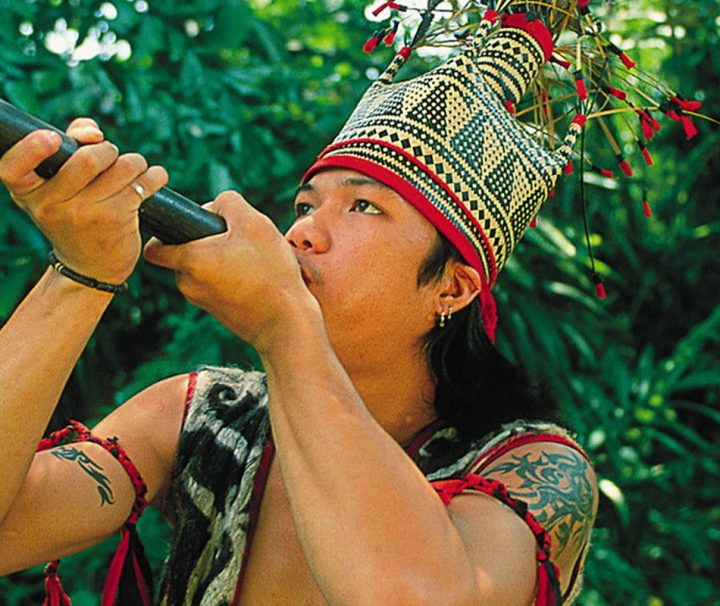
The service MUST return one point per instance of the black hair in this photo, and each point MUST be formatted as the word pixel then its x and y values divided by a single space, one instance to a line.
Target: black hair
pixel 478 389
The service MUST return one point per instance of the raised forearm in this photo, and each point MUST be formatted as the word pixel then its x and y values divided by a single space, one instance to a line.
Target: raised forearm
pixel 39 346
pixel 371 527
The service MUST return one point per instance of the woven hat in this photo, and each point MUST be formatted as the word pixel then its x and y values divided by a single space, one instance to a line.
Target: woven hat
pixel 450 143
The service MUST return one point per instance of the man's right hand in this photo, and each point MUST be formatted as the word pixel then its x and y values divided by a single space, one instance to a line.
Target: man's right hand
pixel 89 210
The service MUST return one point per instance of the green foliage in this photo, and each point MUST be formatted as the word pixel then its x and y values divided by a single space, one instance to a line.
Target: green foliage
pixel 243 95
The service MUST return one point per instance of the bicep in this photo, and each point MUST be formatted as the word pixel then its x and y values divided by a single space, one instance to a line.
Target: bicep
pixel 76 495
pixel 499 546
pixel 73 497
pixel 558 485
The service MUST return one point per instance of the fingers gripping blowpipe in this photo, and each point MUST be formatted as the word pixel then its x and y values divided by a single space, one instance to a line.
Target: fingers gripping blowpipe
pixel 167 215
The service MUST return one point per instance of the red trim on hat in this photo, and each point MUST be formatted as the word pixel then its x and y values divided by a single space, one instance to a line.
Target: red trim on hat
pixel 415 197
pixel 412 195
pixel 535 28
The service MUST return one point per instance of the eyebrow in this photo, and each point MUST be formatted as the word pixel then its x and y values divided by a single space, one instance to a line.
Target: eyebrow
pixel 355 181
pixel 349 182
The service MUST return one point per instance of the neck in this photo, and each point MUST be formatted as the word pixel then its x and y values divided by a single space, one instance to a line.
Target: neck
pixel 400 400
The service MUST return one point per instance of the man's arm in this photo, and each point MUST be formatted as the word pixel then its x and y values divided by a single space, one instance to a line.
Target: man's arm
pixel 74 496
pixel 372 529
pixel 371 526
pixel 89 214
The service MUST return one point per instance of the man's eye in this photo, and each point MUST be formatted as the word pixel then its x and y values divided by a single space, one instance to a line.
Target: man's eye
pixel 364 206
pixel 302 209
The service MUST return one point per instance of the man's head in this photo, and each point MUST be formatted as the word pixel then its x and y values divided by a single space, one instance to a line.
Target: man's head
pixel 383 274
pixel 361 246
pixel 447 142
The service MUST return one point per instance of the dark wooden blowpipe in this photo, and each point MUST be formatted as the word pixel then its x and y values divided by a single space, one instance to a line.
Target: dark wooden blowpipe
pixel 169 216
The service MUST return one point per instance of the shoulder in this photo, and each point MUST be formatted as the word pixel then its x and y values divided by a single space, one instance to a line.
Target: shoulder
pixel 527 468
pixel 148 427
pixel 557 483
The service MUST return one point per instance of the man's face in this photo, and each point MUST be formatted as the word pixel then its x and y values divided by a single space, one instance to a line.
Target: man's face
pixel 360 245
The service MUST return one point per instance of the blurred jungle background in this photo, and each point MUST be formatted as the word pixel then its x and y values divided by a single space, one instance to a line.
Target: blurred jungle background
pixel 233 94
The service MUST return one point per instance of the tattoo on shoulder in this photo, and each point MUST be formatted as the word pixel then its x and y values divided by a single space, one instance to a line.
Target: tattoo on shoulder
pixel 90 467
pixel 557 490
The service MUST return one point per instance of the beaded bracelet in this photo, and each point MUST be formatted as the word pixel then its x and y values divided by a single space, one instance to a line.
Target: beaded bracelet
pixel 64 270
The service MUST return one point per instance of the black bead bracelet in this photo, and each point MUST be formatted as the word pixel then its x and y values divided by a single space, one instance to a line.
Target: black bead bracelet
pixel 64 270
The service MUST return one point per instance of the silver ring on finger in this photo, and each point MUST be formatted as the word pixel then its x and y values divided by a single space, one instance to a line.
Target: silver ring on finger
pixel 140 190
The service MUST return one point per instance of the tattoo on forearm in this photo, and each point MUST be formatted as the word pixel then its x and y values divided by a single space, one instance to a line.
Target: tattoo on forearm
pixel 90 467
pixel 557 490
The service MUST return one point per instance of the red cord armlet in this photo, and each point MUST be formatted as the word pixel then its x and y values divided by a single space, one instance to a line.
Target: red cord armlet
pixel 129 572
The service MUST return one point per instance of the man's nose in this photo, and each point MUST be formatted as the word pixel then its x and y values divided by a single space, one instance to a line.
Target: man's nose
pixel 309 234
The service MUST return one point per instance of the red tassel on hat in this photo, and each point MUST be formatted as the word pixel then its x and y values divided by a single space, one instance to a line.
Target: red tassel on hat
pixel 649 125
pixel 691 106
pixel 673 109
pixel 627 62
pixel 384 5
pixel 646 153
pixel 580 86
pixel 534 222
pixel 690 128
pixel 551 193
pixel 510 106
pixel 54 593
pixel 568 168
pixel 490 15
pixel 390 36
pixel 625 166
pixel 646 205
pixel 615 92
pixel 372 42
pixel 405 52
pixel 604 172
pixel 599 286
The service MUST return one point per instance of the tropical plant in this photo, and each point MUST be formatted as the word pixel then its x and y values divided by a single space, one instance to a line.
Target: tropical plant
pixel 243 95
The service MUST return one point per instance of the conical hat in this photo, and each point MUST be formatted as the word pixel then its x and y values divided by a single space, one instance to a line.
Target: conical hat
pixel 447 143
pixel 450 143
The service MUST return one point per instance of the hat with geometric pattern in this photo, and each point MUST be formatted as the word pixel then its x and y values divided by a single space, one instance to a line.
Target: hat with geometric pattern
pixel 449 141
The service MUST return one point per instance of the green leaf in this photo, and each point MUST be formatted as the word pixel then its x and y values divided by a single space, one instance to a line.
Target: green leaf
pixel 14 286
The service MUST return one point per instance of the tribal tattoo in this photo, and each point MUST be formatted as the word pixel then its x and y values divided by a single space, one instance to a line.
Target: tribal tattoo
pixel 90 467
pixel 557 490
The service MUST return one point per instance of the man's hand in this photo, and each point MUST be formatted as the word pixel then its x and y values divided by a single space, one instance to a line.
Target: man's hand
pixel 247 277
pixel 88 210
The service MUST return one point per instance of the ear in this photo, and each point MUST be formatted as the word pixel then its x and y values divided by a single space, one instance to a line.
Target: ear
pixel 458 287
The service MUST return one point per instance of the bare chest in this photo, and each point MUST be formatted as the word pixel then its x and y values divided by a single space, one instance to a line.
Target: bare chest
pixel 277 572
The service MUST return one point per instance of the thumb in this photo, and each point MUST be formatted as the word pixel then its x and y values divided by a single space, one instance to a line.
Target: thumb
pixel 17 168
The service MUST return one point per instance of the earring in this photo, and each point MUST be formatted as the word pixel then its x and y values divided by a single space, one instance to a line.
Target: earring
pixel 445 317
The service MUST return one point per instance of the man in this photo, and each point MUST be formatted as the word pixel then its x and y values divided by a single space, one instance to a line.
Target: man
pixel 335 507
